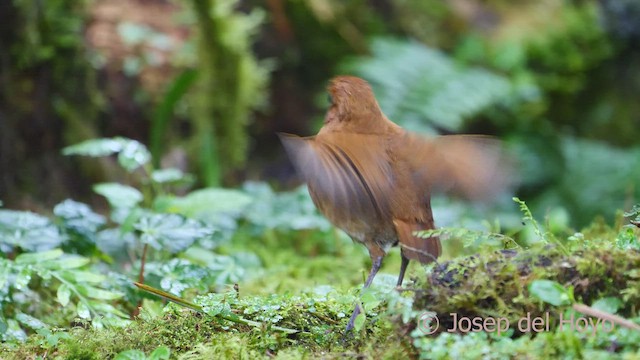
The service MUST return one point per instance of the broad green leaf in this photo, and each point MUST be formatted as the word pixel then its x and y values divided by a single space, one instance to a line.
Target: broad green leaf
pixel 28 231
pixel 118 195
pixel 129 219
pixel 130 355
pixel 550 292
pixel 34 258
pixel 197 255
pixel 82 276
pixel 83 310
pixel 133 155
pixel 68 262
pixel 206 204
pixel 114 242
pixel 95 147
pixel 610 305
pixel 105 308
pixel 170 175
pixel 369 301
pixel 177 275
pixel 63 294
pixel 161 353
pixel 96 293
pixel 23 278
pixel 79 217
pixel 30 321
pixel 287 210
pixel 170 231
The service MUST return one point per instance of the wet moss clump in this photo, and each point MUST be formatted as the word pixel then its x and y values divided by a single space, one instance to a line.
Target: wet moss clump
pixel 496 284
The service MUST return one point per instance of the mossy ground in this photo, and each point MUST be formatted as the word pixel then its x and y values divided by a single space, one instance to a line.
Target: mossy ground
pixel 315 295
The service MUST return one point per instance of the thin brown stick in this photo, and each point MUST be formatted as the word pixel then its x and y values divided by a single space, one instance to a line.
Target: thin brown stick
pixel 587 310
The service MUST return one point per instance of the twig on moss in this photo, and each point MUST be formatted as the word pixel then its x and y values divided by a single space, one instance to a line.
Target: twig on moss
pixel 198 308
pixel 587 310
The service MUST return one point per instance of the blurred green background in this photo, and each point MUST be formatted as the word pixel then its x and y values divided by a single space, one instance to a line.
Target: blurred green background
pixel 205 84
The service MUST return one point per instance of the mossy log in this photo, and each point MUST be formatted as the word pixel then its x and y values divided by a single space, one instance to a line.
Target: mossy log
pixel 497 284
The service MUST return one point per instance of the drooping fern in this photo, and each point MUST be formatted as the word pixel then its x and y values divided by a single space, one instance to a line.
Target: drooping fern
pixel 422 88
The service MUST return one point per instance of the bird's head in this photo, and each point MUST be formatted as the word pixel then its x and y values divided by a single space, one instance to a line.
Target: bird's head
pixel 353 105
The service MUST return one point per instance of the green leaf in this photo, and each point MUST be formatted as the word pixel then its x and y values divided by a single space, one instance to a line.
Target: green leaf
pixel 177 275
pixel 28 231
pixel 133 155
pixel 293 210
pixel 23 278
pixel 161 353
pixel 550 292
pixel 170 175
pixel 610 305
pixel 79 217
pixel 95 147
pixel 83 310
pixel 170 231
pixel 82 276
pixel 369 301
pixel 358 324
pixel 130 355
pixel 118 195
pixel 206 204
pixel 96 293
pixel 68 262
pixel 34 258
pixel 105 308
pixel 30 321
pixel 63 294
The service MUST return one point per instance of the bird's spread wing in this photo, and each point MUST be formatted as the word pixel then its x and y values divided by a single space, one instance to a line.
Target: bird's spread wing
pixel 475 167
pixel 347 175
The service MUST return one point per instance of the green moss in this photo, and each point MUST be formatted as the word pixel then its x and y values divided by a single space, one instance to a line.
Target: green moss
pixel 496 284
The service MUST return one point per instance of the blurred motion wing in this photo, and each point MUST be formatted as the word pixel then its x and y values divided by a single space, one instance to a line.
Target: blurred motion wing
pixel 346 180
pixel 473 166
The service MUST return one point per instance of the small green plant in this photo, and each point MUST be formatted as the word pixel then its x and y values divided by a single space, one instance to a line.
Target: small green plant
pixel 551 292
pixel 74 284
pixel 161 353
pixel 154 218
pixel 542 235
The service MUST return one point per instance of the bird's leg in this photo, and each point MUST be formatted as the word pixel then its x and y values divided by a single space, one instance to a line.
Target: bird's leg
pixel 403 268
pixel 376 262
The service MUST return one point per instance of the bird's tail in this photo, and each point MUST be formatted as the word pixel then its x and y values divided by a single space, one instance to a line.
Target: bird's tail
pixel 425 250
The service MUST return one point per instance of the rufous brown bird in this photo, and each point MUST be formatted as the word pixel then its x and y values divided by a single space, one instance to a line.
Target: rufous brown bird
pixel 373 179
